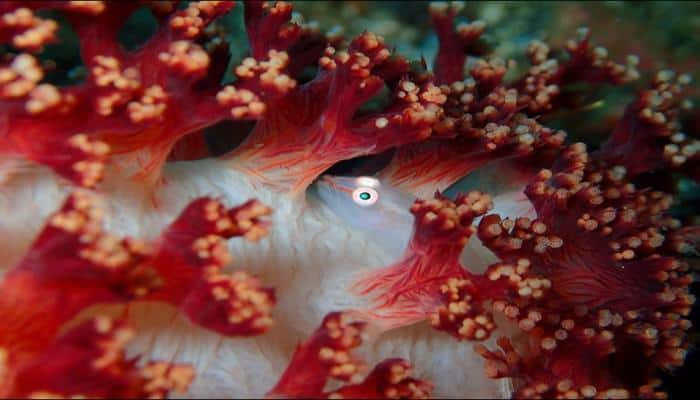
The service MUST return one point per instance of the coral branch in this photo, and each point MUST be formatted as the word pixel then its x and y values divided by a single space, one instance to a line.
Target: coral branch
pixel 133 101
pixel 590 283
pixel 463 313
pixel 98 27
pixel 390 379
pixel 315 123
pixel 408 291
pixel 486 120
pixel 269 28
pixel 454 43
pixel 541 86
pixel 650 123
pixel 90 361
pixel 190 22
pixel 189 258
pixel 474 132
pixel 73 265
pixel 23 29
pixel 327 354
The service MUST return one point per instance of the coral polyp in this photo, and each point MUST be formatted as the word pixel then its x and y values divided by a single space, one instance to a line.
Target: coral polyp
pixel 140 260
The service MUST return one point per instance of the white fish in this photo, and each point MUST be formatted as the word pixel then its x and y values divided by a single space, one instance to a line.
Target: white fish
pixel 381 211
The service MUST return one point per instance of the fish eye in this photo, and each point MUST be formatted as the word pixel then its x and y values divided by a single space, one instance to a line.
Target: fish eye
pixel 365 196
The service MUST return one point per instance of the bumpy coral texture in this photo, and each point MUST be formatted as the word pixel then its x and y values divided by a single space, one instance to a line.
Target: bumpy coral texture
pixel 125 240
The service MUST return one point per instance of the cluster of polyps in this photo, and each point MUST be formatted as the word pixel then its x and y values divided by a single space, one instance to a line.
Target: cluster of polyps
pixel 593 282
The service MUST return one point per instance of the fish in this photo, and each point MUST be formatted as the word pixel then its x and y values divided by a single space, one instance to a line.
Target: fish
pixel 381 211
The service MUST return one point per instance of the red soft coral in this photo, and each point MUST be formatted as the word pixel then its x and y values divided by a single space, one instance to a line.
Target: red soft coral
pixel 73 264
pixel 132 100
pixel 588 281
pixel 327 354
pixel 315 123
pixel 407 291
pixel 94 354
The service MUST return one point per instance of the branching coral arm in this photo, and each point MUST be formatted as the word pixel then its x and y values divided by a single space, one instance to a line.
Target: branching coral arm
pixel 133 100
pixel 486 119
pixel 652 121
pixel 454 42
pixel 315 123
pixel 94 353
pixel 327 354
pixel 73 264
pixel 409 290
pixel 595 288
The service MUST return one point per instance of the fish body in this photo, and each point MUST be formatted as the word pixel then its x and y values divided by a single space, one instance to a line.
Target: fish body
pixel 382 213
